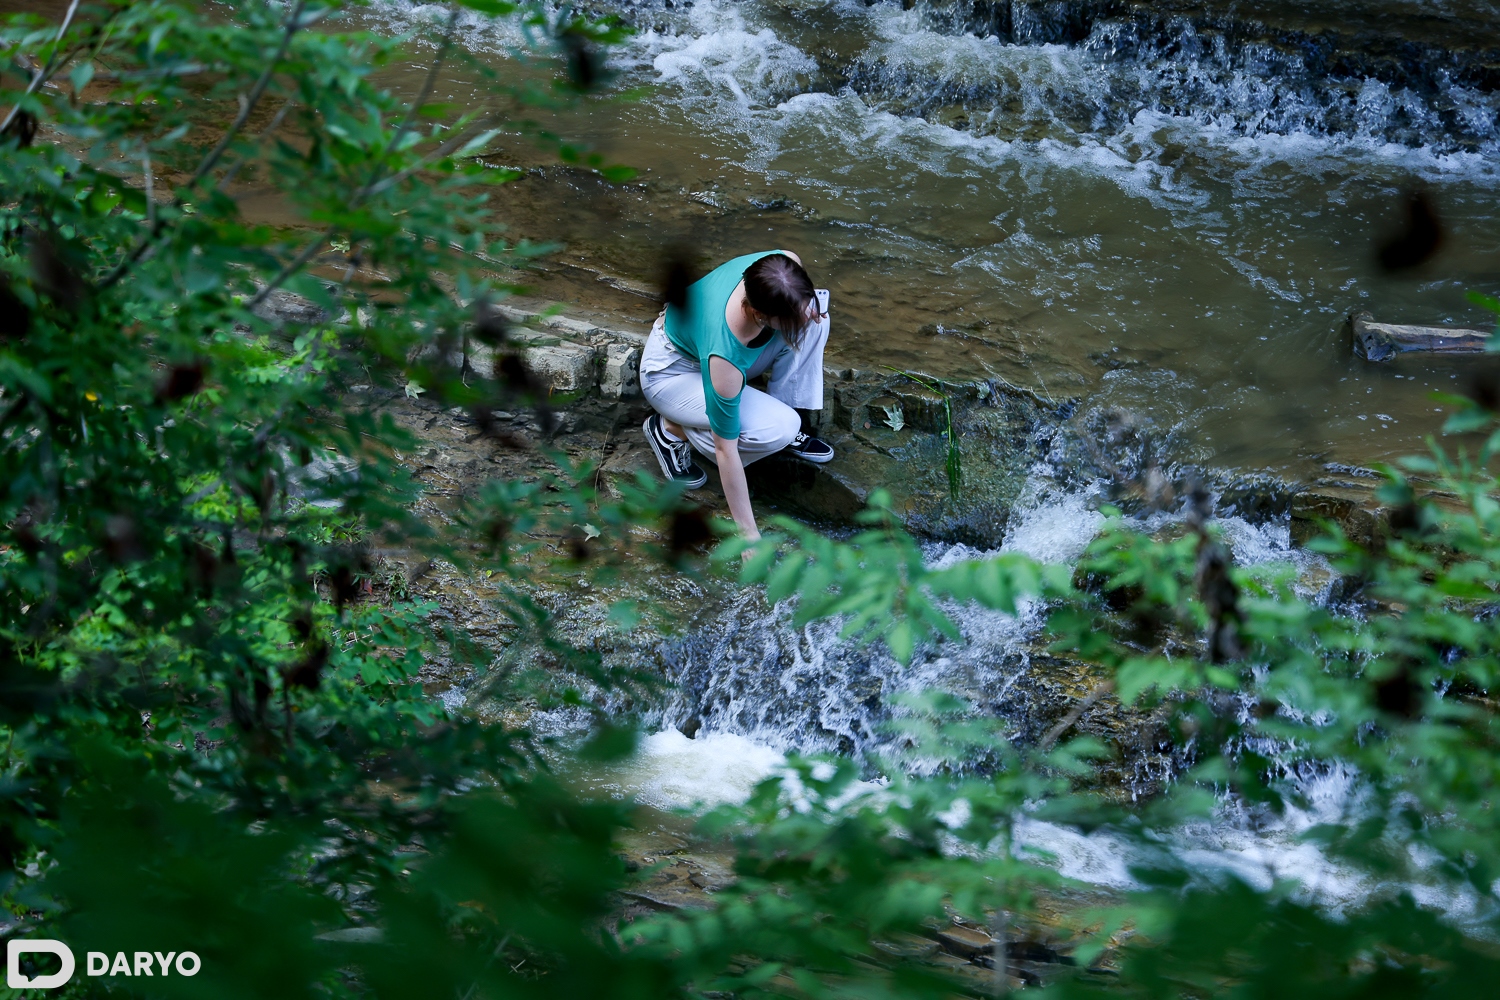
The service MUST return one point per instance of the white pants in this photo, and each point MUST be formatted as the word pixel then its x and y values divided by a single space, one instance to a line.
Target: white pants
pixel 673 384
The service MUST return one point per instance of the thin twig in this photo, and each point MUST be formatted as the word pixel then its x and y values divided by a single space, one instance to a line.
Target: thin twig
pixel 998 950
pixel 292 267
pixel 186 69
pixel 293 24
pixel 276 120
pixel 427 85
pixel 1067 721
pixel 205 491
pixel 45 71
pixel 150 186
pixel 247 107
pixel 436 154
pixel 311 250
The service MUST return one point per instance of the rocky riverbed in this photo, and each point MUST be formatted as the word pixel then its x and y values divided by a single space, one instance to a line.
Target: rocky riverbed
pixel 710 657
pixel 724 659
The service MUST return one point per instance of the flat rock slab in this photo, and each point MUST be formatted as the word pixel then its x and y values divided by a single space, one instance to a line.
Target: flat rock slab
pixel 966 942
pixel 568 368
pixel 1383 341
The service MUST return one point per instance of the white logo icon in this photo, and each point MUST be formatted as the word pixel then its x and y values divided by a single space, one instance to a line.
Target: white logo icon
pixel 16 981
pixel 146 963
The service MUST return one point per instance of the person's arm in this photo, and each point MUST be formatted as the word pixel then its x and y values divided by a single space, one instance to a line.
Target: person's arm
pixel 725 380
pixel 736 491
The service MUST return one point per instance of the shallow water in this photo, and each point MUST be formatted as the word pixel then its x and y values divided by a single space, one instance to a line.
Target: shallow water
pixel 1166 208
pixel 1157 215
pixel 672 772
pixel 1160 217
pixel 761 688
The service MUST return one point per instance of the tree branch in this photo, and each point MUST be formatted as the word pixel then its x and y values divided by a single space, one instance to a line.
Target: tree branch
pixel 43 72
pixel 293 24
pixel 247 107
pixel 436 154
pixel 427 85
pixel 291 268
pixel 1073 716
pixel 276 120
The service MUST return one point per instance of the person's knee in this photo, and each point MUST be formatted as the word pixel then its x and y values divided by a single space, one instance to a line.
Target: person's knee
pixel 773 431
pixel 783 429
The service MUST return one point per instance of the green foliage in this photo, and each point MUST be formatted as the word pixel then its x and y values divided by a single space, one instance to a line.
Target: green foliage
pixel 1393 685
pixel 214 740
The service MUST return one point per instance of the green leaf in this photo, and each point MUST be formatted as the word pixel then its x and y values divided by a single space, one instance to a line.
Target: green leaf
pixel 900 638
pixel 81 74
pixel 1467 421
pixel 611 743
pixel 474 145
pixel 1480 299
pixel 625 615
pixel 783 579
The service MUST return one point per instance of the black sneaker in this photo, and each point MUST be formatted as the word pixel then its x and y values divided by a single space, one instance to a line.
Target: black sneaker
pixel 676 457
pixel 812 449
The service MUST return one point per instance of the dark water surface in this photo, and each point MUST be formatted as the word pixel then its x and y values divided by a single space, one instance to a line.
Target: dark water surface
pixel 1165 208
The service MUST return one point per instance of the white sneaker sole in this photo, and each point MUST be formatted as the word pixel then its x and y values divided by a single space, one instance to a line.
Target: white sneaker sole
pixel 666 463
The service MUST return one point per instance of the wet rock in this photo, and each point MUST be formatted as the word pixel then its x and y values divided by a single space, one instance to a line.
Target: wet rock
pixel 1256 497
pixel 321 479
pixel 966 942
pixel 622 372
pixel 1351 501
pixel 907 946
pixel 922 409
pixel 1383 341
pixel 564 367
pixel 824 494
pixel 285 309
pixel 1362 518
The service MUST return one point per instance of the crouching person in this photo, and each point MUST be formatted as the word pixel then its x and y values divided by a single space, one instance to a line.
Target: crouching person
pixel 757 313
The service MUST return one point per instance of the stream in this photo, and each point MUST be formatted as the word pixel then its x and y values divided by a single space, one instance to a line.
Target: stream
pixel 1165 210
pixel 753 688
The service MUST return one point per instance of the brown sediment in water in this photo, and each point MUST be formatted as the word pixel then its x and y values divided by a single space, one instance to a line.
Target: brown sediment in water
pixel 1013 268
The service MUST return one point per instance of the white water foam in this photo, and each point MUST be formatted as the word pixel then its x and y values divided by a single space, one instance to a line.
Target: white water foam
pixel 670 771
pixel 722 63
pixel 755 69
pixel 1051 525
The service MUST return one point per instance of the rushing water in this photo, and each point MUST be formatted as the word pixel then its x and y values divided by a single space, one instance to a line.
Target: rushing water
pixel 762 688
pixel 1167 208
pixel 1164 208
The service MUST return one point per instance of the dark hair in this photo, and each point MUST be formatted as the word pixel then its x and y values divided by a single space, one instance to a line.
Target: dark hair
pixel 777 287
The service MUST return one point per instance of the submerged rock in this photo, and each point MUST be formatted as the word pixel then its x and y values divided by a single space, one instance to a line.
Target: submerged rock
pixel 1383 341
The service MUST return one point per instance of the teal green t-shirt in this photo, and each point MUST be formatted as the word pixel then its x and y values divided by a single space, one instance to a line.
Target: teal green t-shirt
pixel 700 331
